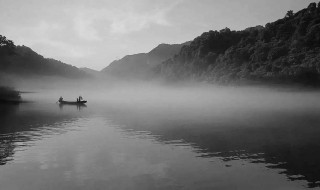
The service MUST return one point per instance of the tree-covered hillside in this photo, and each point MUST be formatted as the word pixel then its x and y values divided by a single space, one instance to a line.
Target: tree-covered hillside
pixel 23 61
pixel 287 50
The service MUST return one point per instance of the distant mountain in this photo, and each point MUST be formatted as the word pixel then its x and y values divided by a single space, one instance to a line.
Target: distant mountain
pixel 23 61
pixel 163 52
pixel 90 71
pixel 141 65
pixel 287 50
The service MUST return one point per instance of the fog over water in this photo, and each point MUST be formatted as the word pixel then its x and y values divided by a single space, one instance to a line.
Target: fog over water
pixel 152 135
pixel 198 102
pixel 159 95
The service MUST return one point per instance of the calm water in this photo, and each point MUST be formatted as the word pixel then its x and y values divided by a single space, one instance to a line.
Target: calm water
pixel 112 146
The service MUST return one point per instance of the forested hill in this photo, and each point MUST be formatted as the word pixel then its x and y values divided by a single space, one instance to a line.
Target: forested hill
pixel 287 50
pixel 140 66
pixel 23 61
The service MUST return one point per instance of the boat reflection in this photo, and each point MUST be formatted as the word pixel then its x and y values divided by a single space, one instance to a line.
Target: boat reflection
pixel 285 142
pixel 78 106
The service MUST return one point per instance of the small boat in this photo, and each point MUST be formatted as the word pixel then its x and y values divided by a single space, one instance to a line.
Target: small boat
pixel 79 101
pixel 73 103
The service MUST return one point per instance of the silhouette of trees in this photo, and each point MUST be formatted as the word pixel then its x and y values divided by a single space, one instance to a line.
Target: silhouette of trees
pixel 23 60
pixel 289 14
pixel 5 42
pixel 6 46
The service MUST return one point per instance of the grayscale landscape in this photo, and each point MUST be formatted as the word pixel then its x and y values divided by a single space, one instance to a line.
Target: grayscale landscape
pixel 159 95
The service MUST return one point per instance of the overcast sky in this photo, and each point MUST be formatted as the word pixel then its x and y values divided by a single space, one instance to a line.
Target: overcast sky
pixel 87 33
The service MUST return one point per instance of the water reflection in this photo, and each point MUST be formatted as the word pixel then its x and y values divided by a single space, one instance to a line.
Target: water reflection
pixel 21 125
pixel 287 142
pixel 283 142
pixel 78 106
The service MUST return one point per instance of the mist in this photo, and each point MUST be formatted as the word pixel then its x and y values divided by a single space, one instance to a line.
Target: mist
pixel 188 95
pixel 254 124
pixel 198 102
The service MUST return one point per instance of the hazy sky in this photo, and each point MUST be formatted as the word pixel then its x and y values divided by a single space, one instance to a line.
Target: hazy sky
pixel 87 33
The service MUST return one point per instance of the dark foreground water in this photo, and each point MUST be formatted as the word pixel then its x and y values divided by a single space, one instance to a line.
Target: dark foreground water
pixel 111 146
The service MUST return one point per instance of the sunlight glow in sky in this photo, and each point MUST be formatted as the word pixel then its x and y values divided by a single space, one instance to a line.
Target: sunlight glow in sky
pixel 92 34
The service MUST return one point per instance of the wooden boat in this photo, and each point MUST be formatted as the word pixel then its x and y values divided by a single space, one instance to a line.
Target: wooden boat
pixel 73 103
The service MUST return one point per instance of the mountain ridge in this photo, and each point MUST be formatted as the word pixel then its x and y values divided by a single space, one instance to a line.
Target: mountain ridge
pixel 23 61
pixel 287 50
pixel 141 65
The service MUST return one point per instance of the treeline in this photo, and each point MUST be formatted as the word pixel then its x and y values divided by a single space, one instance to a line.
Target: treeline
pixel 287 50
pixel 23 61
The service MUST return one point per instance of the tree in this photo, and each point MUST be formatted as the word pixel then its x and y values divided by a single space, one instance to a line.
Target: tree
pixel 5 42
pixel 6 46
pixel 289 14
pixel 312 7
pixel 225 30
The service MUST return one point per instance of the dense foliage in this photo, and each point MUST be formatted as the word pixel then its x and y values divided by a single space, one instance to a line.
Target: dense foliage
pixel 287 50
pixel 21 60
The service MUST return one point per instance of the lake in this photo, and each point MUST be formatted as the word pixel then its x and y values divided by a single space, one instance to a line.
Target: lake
pixel 224 138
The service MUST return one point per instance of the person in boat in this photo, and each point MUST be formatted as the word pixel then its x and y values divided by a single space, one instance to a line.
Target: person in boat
pixel 60 99
pixel 79 99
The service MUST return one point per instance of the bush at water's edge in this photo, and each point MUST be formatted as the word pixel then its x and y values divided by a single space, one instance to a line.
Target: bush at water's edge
pixel 8 94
